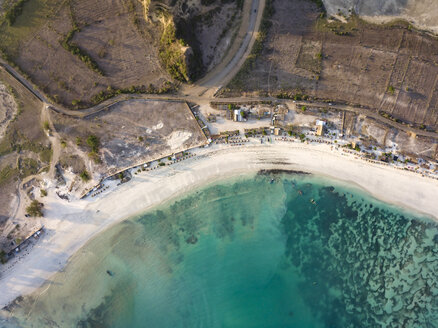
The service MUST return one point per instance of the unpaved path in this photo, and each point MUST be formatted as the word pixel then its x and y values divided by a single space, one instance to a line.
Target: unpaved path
pixel 241 48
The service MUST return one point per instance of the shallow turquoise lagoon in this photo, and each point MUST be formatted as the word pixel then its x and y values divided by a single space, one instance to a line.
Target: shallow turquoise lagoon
pixel 271 250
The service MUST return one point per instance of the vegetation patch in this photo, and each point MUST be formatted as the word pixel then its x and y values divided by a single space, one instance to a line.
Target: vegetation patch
pixel 171 52
pixel 35 209
pixel 7 173
pixel 3 258
pixel 27 166
pixel 339 27
pixel 111 92
pixel 94 143
pixel 24 20
pixel 15 11
pixel 85 176
pixel 75 50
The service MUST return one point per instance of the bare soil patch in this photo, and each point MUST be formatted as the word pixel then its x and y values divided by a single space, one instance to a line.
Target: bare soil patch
pixel 24 150
pixel 107 34
pixel 78 51
pixel 8 109
pixel 133 132
pixel 388 68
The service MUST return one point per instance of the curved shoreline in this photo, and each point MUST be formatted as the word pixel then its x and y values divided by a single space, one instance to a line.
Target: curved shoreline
pixel 70 225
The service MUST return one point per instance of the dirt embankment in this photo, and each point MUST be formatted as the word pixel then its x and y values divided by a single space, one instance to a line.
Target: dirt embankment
pixel 8 108
pixel 80 53
pixel 421 13
pixel 206 27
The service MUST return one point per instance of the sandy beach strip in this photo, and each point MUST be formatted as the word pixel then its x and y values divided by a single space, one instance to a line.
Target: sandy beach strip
pixel 69 225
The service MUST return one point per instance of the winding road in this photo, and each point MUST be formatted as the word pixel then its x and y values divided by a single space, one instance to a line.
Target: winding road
pixel 205 89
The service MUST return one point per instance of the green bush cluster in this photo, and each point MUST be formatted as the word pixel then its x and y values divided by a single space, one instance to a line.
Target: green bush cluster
pixel 151 89
pixel 93 142
pixel 3 258
pixel 291 95
pixel 74 49
pixel 35 209
pixel 171 55
pixel 390 117
pixel 391 89
pixel 84 176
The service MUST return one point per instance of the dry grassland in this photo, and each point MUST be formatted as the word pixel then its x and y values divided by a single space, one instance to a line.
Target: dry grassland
pixel 390 68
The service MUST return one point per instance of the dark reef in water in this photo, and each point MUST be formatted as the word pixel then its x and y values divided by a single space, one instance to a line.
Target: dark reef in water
pixel 337 258
pixel 372 267
pixel 281 171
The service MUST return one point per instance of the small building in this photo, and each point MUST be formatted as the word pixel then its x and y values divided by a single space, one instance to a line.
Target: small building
pixel 237 115
pixel 320 130
pixel 320 126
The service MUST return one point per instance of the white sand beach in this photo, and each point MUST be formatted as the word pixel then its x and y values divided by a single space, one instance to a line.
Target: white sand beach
pixel 69 225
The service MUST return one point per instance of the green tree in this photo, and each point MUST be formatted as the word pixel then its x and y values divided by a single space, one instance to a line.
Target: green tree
pixel 3 259
pixel 94 143
pixel 35 208
pixel 85 176
pixel 391 89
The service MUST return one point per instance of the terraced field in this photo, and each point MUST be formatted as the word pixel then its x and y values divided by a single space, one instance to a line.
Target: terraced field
pixel 390 68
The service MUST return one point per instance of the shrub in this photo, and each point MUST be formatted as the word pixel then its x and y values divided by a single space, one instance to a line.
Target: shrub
pixel 43 192
pixel 94 157
pixel 93 142
pixel 3 259
pixel 85 176
pixel 74 49
pixel 35 208
pixel 391 89
pixel 171 54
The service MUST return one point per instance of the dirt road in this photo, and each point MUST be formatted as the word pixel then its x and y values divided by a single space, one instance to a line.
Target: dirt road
pixel 237 54
pixel 204 90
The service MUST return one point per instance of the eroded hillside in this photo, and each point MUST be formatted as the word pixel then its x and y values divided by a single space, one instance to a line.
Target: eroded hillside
pixel 82 52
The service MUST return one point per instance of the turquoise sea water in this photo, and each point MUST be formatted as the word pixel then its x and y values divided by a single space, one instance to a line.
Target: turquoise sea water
pixel 272 250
